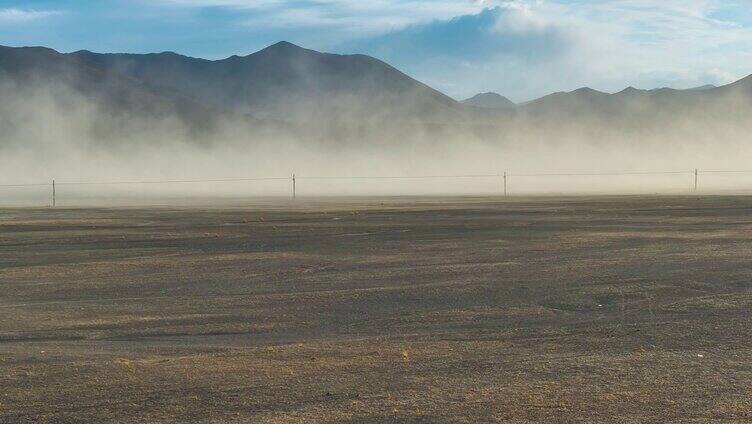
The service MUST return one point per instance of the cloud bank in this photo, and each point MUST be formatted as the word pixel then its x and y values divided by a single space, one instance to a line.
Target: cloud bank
pixel 16 15
pixel 526 49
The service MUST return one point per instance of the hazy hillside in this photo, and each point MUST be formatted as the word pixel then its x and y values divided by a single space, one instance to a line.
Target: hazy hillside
pixel 285 81
pixel 288 92
pixel 66 76
pixel 632 102
pixel 632 117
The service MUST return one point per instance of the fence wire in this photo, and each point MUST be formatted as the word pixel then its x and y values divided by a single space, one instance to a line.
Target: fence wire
pixel 371 177
pixel 504 176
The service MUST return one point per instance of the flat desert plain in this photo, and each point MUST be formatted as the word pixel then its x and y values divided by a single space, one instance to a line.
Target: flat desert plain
pixel 577 309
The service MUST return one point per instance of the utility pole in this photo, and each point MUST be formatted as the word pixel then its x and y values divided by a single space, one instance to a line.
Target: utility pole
pixel 505 183
pixel 53 193
pixel 293 186
pixel 696 179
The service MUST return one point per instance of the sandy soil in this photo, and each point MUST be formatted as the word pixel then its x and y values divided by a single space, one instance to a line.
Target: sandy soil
pixel 603 309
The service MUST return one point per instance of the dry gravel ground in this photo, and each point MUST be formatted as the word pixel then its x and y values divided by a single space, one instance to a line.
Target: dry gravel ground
pixel 603 309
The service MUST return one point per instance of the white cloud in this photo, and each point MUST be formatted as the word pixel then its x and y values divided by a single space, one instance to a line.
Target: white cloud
pixel 634 39
pixel 540 46
pixel 244 4
pixel 13 15
pixel 534 47
pixel 342 15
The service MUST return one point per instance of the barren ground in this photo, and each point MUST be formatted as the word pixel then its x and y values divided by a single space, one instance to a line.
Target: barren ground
pixel 601 309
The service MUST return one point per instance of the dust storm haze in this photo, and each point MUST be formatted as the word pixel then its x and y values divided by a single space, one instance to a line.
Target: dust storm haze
pixel 469 211
pixel 88 118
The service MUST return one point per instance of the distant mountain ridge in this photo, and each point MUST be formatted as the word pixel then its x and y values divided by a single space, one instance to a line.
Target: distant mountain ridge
pixel 312 95
pixel 589 100
pixel 285 81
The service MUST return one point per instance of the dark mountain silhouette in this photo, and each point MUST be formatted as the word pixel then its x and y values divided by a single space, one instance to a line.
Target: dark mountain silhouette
pixel 489 101
pixel 350 98
pixel 633 103
pixel 115 106
pixel 662 115
pixel 583 98
pixel 703 87
pixel 287 82
pixel 41 67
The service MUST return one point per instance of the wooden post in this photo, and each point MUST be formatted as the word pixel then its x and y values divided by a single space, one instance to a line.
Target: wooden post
pixel 293 187
pixel 505 183
pixel 53 193
pixel 696 179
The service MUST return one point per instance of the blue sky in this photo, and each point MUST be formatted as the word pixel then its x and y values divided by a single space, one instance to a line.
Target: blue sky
pixel 519 48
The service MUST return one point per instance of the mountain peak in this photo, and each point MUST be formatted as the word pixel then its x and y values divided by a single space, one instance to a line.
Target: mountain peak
pixel 588 91
pixel 630 91
pixel 489 100
pixel 282 46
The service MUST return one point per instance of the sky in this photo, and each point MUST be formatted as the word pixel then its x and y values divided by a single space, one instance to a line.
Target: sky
pixel 522 49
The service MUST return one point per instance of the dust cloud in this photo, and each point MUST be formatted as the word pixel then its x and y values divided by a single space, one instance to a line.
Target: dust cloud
pixel 54 132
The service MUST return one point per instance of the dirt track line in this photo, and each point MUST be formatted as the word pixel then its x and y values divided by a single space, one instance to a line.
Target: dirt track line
pixel 712 296
pixel 232 295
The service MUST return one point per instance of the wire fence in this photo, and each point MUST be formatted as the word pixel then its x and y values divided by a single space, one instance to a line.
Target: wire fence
pixel 504 178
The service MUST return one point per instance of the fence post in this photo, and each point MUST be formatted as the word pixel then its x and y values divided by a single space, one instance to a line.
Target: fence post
pixel 293 186
pixel 505 183
pixel 696 179
pixel 53 193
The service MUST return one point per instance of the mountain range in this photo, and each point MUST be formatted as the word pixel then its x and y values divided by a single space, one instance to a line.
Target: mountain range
pixel 285 84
